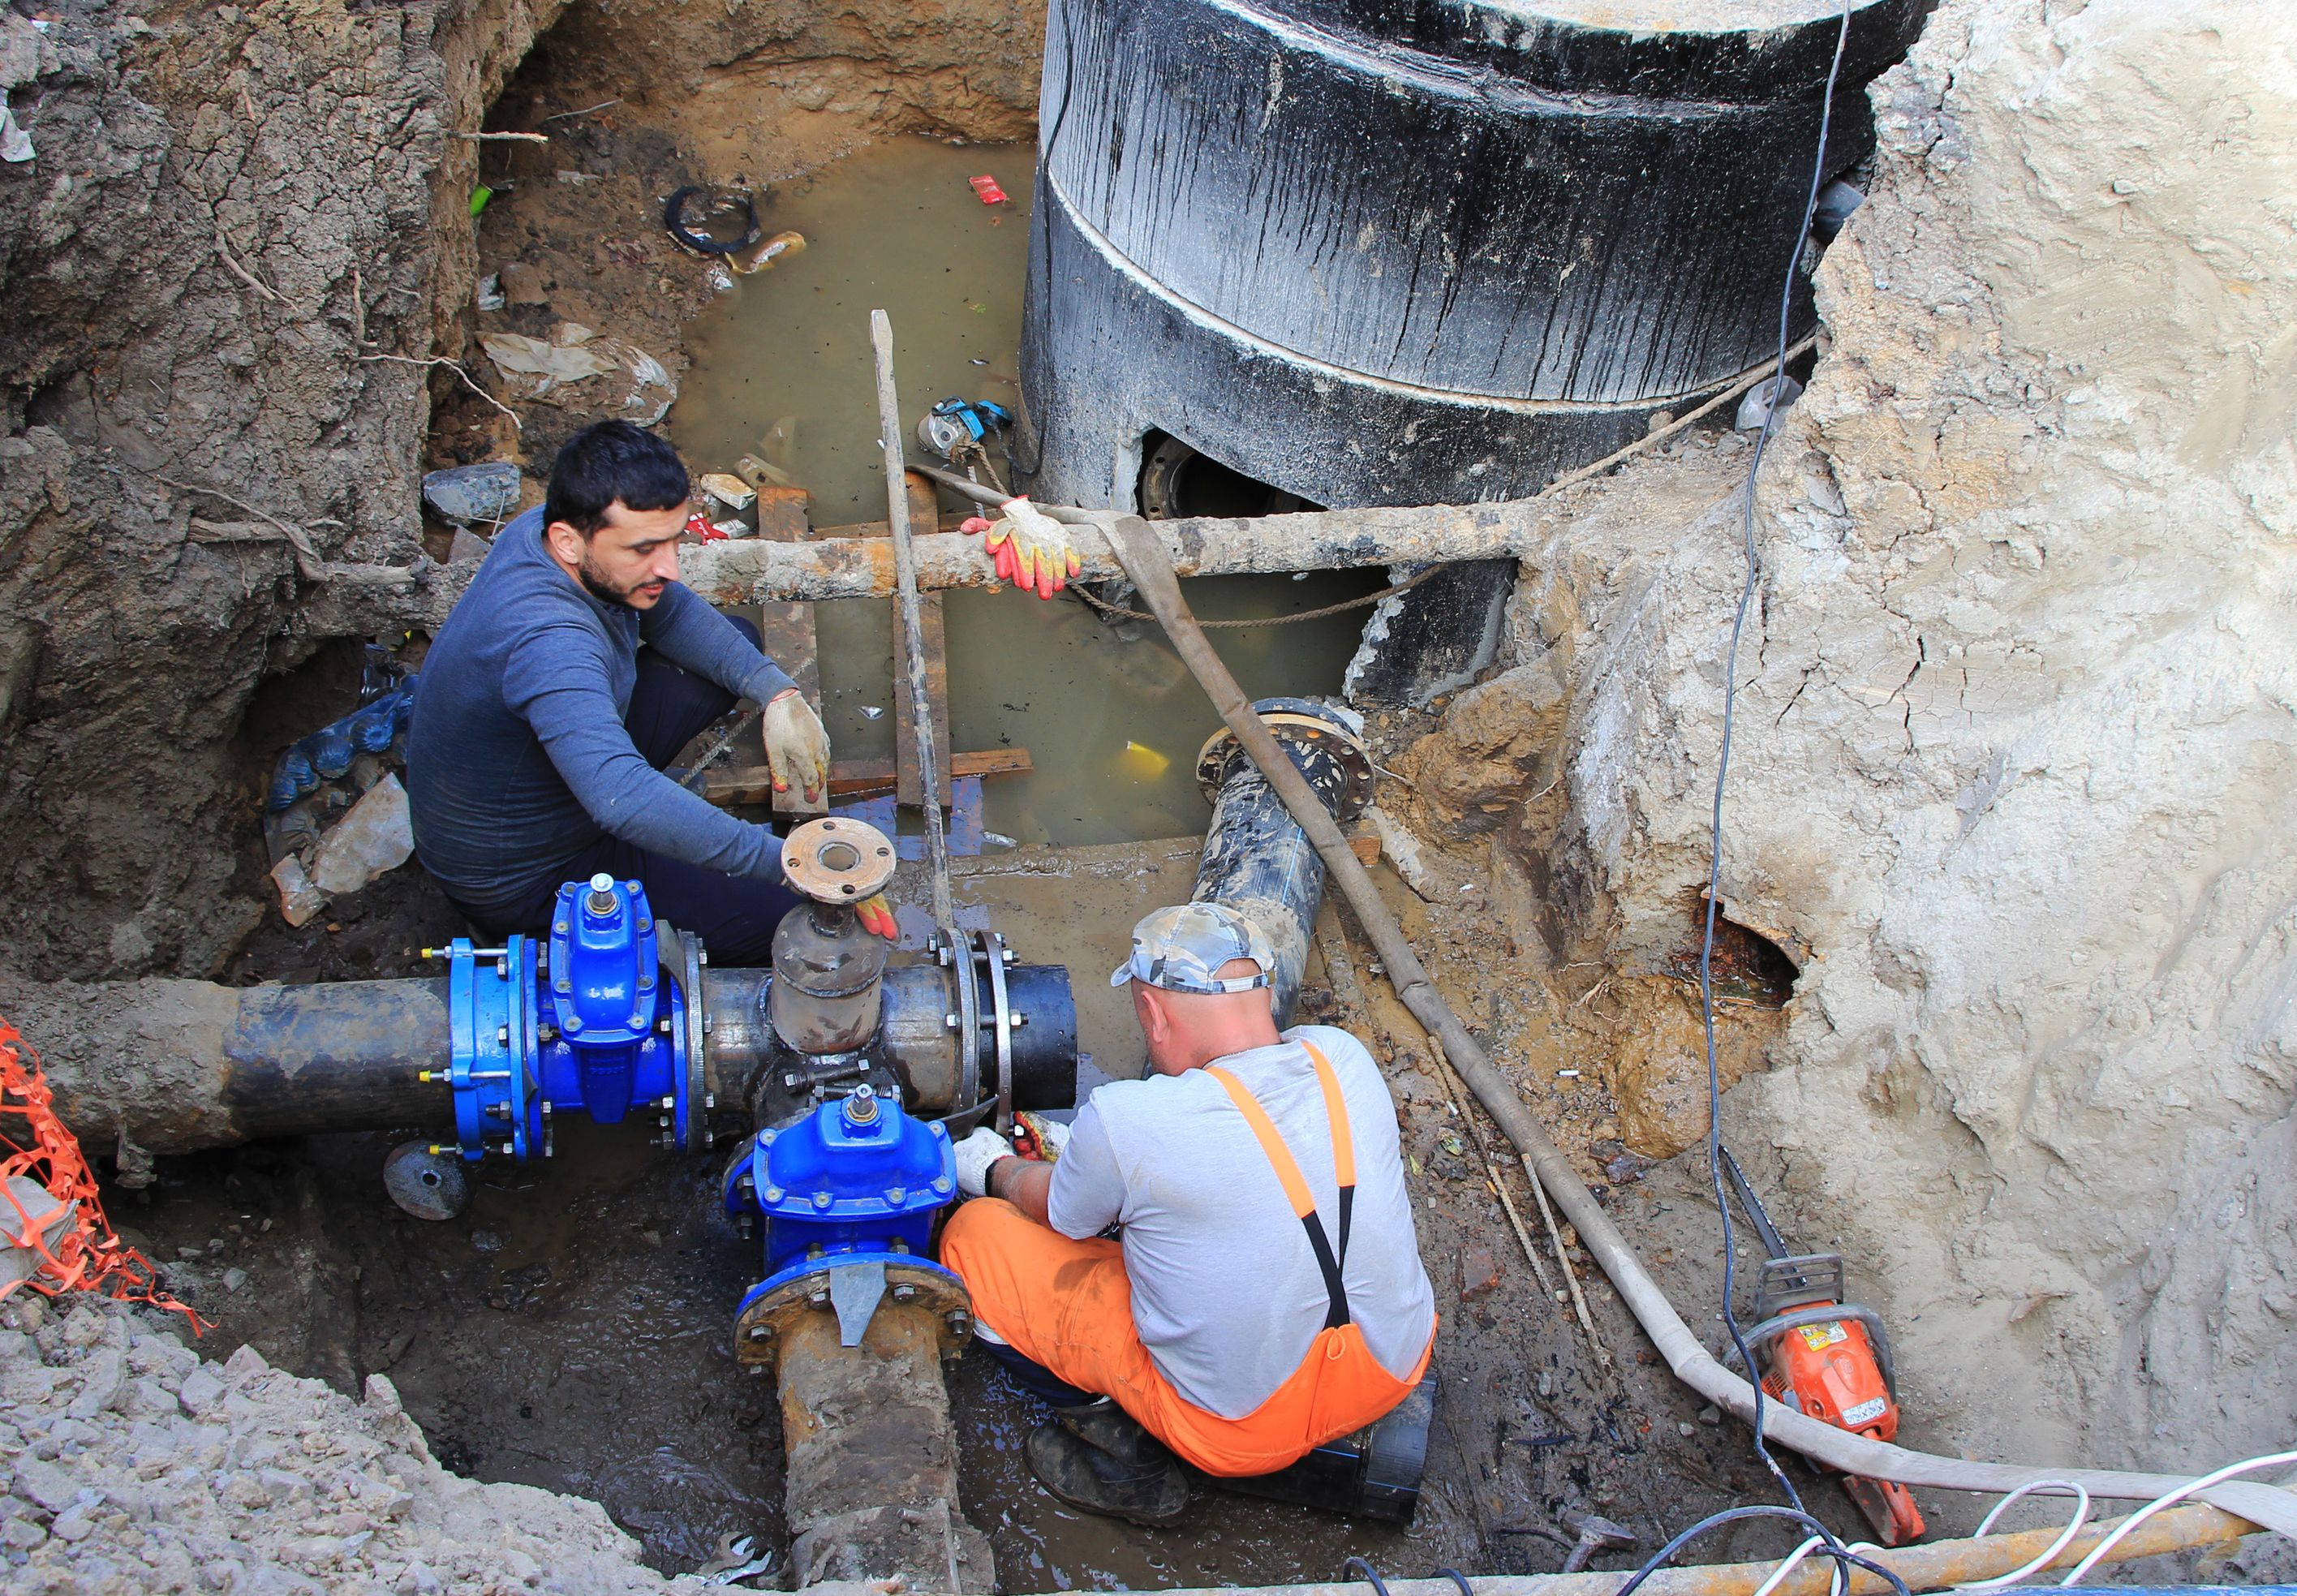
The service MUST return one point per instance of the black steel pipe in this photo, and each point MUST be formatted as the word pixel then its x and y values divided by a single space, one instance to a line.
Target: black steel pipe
pixel 1256 858
pixel 140 1069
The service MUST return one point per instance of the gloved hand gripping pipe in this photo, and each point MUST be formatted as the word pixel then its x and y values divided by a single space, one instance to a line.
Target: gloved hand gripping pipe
pixel 1151 571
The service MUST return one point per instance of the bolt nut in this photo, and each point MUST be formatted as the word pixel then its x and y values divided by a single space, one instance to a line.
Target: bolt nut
pixel 502 1036
pixel 762 1332
pixel 710 1099
pixel 669 1102
pixel 662 1026
pixel 902 1293
pixel 822 1199
pixel 896 1195
pixel 949 1022
pixel 959 1323
pixel 773 1194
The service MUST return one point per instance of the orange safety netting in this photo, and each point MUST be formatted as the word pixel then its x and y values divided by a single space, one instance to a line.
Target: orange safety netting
pixel 77 1248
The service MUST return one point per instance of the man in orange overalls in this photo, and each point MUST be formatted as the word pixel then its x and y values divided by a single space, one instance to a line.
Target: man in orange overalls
pixel 1266 1296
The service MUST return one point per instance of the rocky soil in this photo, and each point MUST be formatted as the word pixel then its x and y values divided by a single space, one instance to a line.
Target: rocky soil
pixel 135 1466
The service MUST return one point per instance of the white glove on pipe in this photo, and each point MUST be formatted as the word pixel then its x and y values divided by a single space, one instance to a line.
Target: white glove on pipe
pixel 975 1155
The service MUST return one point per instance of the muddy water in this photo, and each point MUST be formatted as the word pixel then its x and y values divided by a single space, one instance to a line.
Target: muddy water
pixel 896 228
pixel 782 370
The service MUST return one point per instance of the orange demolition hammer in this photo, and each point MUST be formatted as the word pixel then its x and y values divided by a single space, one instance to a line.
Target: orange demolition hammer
pixel 1827 1359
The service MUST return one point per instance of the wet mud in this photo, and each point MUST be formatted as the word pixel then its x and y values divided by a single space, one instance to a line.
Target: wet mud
pixel 571 1329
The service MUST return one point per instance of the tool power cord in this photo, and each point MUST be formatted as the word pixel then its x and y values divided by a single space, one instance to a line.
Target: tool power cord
pixel 1723 771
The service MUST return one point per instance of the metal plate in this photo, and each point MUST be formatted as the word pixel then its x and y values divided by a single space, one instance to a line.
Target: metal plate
pixel 427 1185
pixel 838 859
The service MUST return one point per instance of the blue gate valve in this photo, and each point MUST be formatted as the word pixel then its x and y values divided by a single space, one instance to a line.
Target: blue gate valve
pixel 591 1025
pixel 846 1192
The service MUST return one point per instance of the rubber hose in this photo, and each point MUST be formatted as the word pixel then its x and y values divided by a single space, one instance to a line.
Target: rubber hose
pixel 674 217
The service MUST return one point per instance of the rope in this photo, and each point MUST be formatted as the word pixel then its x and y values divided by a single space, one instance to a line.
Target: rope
pixel 85 1254
pixel 1741 384
pixel 1117 613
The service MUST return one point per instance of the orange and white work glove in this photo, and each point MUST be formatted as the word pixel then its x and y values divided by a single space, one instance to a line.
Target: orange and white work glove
pixel 1037 1137
pixel 1031 549
pixel 797 745
pixel 877 918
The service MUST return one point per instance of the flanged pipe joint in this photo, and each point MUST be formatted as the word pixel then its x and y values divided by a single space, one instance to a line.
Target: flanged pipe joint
pixel 1256 858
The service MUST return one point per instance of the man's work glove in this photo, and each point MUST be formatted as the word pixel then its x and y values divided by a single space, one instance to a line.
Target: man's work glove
pixel 877 918
pixel 797 746
pixel 1031 549
pixel 975 1155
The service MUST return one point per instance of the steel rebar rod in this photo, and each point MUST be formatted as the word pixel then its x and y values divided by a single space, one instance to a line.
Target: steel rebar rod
pixel 1152 574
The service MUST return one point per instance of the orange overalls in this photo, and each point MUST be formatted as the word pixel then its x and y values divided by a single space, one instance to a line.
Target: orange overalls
pixel 1068 1305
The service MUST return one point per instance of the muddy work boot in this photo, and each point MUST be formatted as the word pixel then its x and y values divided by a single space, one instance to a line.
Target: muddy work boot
pixel 1099 1459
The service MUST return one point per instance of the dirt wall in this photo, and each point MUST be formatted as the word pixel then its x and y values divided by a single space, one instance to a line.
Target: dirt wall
pixel 222 204
pixel 2013 774
pixel 244 234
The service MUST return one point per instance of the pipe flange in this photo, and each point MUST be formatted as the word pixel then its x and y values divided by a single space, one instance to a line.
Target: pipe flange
pixel 763 1325
pixel 701 1096
pixel 837 859
pixel 1303 727
pixel 1000 1019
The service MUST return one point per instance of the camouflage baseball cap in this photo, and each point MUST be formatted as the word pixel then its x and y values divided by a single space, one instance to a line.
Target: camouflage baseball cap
pixel 1181 948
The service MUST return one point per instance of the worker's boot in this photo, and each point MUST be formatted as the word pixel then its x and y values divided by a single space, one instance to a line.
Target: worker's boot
pixel 1098 1458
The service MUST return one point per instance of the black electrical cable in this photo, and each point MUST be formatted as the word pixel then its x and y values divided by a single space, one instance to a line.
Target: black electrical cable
pixel 1358 1568
pixel 1723 769
pixel 1457 1578
pixel 1843 1556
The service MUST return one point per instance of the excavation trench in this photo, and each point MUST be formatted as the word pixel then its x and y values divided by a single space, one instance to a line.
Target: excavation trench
pixel 572 1328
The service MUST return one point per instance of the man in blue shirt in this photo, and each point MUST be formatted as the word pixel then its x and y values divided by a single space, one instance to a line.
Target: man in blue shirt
pixel 570 673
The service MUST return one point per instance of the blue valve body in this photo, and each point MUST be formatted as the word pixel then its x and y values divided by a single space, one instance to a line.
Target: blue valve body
pixel 855 1180
pixel 582 1033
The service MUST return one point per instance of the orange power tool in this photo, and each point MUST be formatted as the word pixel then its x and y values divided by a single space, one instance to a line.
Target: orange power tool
pixel 1827 1359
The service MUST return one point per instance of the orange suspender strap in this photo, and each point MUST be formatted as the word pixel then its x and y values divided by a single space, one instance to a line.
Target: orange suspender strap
pixel 1296 1186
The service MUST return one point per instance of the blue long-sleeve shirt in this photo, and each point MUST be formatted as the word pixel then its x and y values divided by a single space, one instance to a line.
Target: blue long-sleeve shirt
pixel 518 760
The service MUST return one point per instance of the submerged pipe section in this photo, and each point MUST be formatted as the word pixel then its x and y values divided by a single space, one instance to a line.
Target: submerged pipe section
pixel 1256 858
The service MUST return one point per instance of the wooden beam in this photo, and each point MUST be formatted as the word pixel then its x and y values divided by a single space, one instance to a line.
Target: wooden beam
pixel 857 777
pixel 785 628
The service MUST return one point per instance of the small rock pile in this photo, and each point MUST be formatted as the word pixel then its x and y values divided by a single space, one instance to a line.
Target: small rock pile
pixel 138 1467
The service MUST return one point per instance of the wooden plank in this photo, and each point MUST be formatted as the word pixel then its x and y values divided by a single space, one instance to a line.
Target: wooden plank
pixel 908 785
pixel 856 777
pixel 786 629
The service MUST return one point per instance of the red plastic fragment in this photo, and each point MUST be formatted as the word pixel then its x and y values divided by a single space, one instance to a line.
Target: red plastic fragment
pixel 986 187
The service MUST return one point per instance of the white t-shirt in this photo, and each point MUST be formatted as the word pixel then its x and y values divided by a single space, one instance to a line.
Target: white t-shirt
pixel 1226 1293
